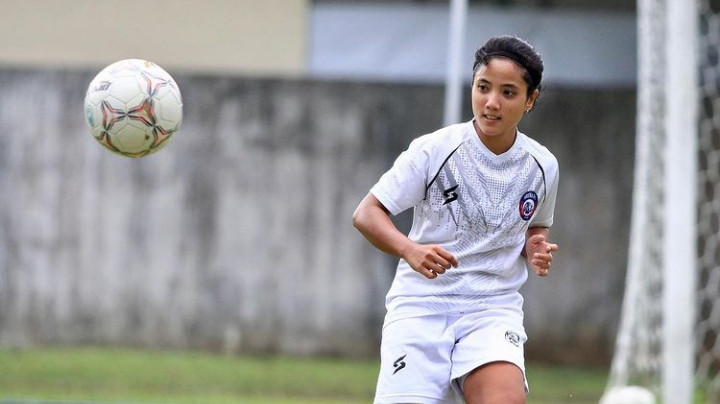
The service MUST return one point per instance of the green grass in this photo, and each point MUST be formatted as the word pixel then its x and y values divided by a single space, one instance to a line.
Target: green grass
pixel 136 376
pixel 565 384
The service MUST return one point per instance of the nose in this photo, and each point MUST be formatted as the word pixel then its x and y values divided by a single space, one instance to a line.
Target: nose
pixel 493 102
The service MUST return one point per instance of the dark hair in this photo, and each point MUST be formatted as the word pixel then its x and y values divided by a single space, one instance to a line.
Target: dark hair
pixel 516 49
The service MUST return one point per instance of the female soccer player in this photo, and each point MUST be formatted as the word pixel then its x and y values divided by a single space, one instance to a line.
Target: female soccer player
pixel 483 196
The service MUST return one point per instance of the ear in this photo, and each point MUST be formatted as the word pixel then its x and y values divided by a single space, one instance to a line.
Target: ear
pixel 530 103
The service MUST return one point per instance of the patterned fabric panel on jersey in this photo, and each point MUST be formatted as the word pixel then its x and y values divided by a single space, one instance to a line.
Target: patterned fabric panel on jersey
pixel 473 203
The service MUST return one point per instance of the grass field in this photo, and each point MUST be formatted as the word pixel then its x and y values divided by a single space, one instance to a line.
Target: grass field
pixel 135 376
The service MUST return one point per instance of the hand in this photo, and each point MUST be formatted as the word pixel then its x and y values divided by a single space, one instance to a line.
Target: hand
pixel 539 254
pixel 430 260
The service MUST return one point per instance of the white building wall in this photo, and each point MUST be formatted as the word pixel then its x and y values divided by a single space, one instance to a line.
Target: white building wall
pixel 255 37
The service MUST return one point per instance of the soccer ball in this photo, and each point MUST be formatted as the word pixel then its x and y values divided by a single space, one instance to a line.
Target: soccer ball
pixel 133 107
pixel 628 395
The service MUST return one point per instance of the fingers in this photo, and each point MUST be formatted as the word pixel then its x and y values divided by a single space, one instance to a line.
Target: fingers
pixel 542 261
pixel 449 259
pixel 435 262
pixel 432 268
pixel 430 274
pixel 541 253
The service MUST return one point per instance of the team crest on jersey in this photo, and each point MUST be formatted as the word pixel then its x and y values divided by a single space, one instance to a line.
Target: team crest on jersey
pixel 528 204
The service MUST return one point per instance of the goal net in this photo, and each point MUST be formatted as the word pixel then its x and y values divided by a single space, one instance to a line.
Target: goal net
pixel 669 336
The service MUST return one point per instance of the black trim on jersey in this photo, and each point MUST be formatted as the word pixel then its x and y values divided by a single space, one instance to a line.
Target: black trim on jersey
pixel 542 170
pixel 427 187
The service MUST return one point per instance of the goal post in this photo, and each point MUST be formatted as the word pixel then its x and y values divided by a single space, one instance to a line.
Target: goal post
pixel 454 77
pixel 680 268
pixel 669 336
pixel 636 360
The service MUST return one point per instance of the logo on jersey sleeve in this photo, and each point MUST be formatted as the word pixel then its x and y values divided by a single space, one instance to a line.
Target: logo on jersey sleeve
pixel 528 204
pixel 399 363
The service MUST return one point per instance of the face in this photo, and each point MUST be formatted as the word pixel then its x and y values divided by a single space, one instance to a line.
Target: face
pixel 499 101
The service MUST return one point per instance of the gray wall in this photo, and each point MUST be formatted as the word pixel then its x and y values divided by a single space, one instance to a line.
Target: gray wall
pixel 238 237
pixel 401 42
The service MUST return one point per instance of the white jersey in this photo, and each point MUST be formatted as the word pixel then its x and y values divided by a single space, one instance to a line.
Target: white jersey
pixel 475 204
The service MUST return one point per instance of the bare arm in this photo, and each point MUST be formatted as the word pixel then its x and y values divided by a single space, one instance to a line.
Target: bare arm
pixel 538 251
pixel 372 219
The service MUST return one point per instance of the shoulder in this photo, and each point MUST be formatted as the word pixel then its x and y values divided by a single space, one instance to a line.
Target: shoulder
pixel 443 141
pixel 541 153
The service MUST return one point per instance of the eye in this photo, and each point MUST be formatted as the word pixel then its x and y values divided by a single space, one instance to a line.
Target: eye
pixel 509 93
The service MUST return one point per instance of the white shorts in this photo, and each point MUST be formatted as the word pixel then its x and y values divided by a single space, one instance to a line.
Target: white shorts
pixel 424 359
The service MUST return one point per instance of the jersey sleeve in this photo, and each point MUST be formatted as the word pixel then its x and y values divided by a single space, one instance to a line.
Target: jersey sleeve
pixel 546 210
pixel 404 185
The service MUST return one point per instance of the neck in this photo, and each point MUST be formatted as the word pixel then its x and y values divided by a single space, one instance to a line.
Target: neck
pixel 496 144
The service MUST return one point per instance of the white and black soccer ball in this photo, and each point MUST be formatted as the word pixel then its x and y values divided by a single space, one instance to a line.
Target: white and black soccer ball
pixel 628 395
pixel 133 107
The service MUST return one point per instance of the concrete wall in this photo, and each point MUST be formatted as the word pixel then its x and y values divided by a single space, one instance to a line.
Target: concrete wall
pixel 592 133
pixel 237 236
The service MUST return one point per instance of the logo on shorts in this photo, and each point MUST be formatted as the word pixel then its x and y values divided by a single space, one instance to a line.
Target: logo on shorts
pixel 528 203
pixel 399 363
pixel 513 338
